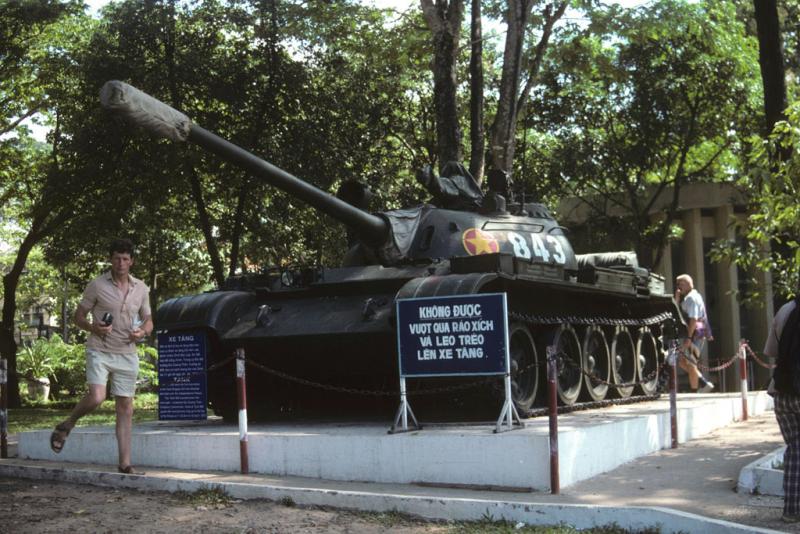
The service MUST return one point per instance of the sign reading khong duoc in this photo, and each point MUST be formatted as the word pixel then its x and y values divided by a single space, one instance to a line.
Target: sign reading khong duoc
pixel 457 335
pixel 182 393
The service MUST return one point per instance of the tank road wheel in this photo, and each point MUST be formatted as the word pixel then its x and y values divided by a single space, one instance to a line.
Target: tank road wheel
pixel 596 362
pixel 524 367
pixel 623 363
pixel 568 352
pixel 647 362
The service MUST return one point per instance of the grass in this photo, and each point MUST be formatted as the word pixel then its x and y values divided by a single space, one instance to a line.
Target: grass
pixel 488 525
pixel 38 415
pixel 214 498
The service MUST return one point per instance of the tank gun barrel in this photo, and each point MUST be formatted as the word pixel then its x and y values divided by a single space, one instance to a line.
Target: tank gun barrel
pixel 165 121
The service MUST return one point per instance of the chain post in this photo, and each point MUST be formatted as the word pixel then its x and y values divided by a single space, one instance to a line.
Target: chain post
pixel 241 391
pixel 3 408
pixel 552 376
pixel 743 376
pixel 672 360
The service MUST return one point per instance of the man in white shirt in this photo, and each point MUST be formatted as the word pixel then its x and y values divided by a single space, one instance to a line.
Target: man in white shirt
pixel 697 331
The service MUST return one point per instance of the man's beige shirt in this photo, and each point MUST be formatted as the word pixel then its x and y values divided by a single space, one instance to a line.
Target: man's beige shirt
pixel 129 310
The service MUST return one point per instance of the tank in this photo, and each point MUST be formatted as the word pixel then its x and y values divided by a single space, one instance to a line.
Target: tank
pixel 322 340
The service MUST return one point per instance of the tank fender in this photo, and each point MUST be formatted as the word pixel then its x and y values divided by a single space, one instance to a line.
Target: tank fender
pixel 217 310
pixel 436 286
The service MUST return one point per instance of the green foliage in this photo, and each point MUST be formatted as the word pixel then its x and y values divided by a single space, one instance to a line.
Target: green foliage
pixel 770 241
pixel 302 86
pixel 63 364
pixel 148 367
pixel 638 104
pixel 39 359
pixel 38 415
pixel 214 498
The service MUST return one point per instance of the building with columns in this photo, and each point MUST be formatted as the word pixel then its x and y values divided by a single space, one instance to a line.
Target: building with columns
pixel 706 213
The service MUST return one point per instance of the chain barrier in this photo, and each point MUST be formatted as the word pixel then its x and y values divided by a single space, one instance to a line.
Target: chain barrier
pixel 380 393
pixel 757 359
pixel 684 353
pixel 579 406
pixel 561 355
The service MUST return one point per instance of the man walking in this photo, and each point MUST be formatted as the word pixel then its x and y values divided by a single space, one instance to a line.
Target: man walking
pixel 120 309
pixel 697 331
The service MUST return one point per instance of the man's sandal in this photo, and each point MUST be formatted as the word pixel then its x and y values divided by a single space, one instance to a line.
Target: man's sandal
pixel 128 470
pixel 59 437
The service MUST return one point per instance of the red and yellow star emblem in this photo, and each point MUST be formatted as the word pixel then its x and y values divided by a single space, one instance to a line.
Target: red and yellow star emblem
pixel 477 241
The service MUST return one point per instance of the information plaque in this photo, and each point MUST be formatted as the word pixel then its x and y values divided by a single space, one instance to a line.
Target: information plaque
pixel 459 335
pixel 452 336
pixel 182 393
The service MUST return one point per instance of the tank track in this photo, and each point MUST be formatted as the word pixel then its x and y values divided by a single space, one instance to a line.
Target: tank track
pixel 552 320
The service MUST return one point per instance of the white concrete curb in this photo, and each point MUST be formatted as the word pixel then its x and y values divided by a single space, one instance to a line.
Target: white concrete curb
pixel 441 508
pixel 761 477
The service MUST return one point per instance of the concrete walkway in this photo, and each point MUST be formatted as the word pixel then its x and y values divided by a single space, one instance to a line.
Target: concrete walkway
pixel 689 489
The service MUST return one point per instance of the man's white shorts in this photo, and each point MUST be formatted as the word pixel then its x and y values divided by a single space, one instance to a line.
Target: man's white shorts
pixel 122 369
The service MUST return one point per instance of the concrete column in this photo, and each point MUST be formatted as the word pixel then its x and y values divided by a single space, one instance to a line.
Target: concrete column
pixel 759 320
pixel 664 267
pixel 728 332
pixel 693 254
pixel 693 248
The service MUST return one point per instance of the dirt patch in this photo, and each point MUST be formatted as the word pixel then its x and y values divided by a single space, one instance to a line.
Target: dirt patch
pixel 34 506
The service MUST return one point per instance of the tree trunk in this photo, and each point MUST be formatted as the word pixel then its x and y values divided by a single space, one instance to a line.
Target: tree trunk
pixel 502 131
pixel 238 227
pixel 770 58
pixel 511 101
pixel 8 345
pixel 205 225
pixel 477 160
pixel 444 19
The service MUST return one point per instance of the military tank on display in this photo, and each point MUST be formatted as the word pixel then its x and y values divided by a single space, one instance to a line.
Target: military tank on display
pixel 325 338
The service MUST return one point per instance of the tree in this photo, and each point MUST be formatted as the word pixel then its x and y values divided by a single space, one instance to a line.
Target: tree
pixel 477 159
pixel 444 18
pixel 34 64
pixel 769 237
pixel 770 58
pixel 324 112
pixel 639 104
pixel 518 63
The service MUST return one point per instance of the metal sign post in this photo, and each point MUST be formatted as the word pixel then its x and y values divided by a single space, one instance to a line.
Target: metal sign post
pixel 672 360
pixel 552 398
pixel 403 412
pixel 241 395
pixel 743 376
pixel 509 411
pixel 458 335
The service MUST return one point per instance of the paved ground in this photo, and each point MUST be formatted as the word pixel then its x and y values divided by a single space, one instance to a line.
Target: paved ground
pixel 699 477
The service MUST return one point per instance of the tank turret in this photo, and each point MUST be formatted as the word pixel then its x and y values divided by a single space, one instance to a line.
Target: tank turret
pixel 326 335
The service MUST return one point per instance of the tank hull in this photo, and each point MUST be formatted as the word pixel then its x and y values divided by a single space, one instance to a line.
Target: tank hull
pixel 328 348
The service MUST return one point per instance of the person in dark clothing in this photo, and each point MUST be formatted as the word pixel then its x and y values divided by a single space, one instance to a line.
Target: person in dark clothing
pixel 783 343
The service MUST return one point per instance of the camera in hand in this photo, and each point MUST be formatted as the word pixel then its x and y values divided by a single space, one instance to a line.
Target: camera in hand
pixel 107 319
